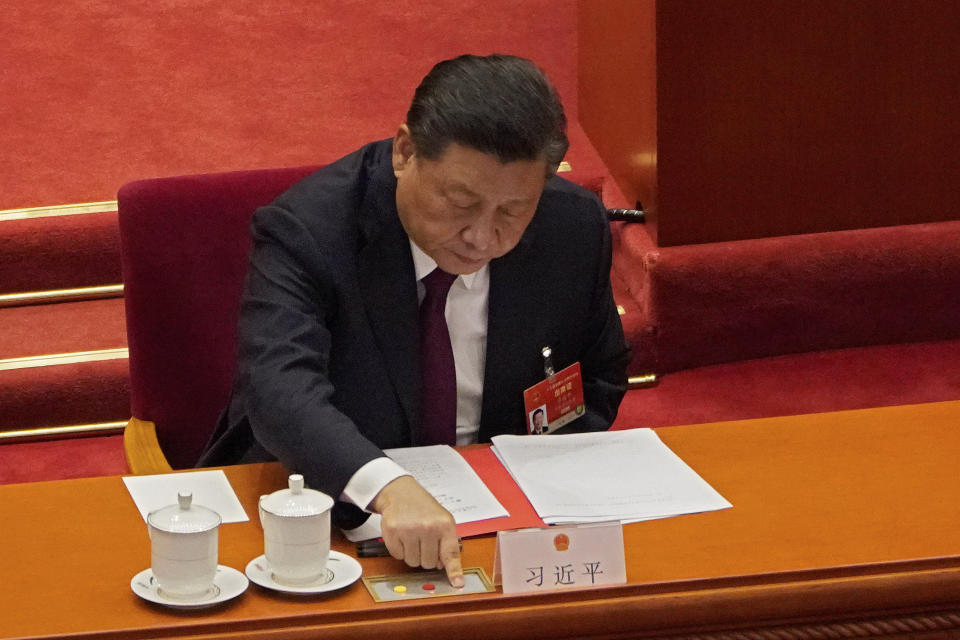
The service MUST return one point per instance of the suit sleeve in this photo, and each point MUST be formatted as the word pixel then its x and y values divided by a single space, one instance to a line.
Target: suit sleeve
pixel 284 340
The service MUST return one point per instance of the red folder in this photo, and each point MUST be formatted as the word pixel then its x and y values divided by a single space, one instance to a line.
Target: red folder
pixel 503 487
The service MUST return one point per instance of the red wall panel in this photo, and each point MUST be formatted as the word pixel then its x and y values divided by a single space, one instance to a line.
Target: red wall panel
pixel 617 92
pixel 778 117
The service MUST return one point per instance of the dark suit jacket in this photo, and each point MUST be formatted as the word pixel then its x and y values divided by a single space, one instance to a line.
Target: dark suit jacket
pixel 328 367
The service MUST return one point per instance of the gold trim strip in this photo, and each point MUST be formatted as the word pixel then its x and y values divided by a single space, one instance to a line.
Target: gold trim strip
pixel 75 429
pixel 641 381
pixel 61 295
pixel 58 210
pixel 63 358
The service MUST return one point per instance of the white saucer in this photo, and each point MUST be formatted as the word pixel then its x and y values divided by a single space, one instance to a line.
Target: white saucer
pixel 227 584
pixel 342 571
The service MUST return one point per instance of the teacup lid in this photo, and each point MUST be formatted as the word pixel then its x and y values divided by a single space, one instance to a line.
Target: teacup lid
pixel 296 501
pixel 184 517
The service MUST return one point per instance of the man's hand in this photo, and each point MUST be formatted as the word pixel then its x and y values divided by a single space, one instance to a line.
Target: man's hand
pixel 417 530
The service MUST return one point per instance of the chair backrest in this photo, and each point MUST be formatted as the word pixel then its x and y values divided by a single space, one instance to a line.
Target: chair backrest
pixel 185 243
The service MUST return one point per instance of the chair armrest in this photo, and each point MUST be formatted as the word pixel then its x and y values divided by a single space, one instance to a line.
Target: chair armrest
pixel 144 455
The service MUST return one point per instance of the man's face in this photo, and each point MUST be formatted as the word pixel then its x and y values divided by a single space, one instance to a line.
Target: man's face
pixel 538 419
pixel 464 208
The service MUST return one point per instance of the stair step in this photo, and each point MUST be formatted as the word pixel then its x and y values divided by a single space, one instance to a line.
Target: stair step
pixel 63 364
pixel 817 382
pixel 64 327
pixel 62 459
pixel 64 394
pixel 58 251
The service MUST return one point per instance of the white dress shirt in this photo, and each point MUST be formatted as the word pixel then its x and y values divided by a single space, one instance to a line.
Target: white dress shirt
pixel 466 315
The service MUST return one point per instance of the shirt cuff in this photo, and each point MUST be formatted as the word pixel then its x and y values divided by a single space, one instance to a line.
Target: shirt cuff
pixel 369 530
pixel 368 480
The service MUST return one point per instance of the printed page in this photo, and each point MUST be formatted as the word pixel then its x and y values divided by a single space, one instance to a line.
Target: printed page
pixel 612 475
pixel 447 477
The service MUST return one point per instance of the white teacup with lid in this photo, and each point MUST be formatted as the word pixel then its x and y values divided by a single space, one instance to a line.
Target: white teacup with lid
pixel 296 533
pixel 184 540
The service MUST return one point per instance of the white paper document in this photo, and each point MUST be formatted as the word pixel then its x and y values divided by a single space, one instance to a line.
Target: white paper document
pixel 626 475
pixel 447 477
pixel 210 489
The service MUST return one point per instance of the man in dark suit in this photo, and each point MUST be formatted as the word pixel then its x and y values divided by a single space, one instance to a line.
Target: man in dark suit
pixel 345 345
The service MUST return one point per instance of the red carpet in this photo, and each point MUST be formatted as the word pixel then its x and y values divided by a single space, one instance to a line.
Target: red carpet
pixel 59 252
pixel 77 326
pixel 63 393
pixel 68 394
pixel 99 93
pixel 62 459
pixel 833 380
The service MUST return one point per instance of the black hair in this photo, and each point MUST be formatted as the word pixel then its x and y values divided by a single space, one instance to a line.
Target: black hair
pixel 497 104
pixel 537 411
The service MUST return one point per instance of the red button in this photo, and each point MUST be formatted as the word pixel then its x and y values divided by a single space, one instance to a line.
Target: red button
pixel 429 587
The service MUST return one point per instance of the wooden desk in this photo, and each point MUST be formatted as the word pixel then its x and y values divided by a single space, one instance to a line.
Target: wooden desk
pixel 844 525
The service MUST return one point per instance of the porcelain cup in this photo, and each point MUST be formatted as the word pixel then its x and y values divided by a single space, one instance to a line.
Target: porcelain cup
pixel 296 533
pixel 184 550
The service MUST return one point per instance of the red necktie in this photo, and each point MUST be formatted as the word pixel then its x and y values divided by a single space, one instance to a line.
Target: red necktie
pixel 438 417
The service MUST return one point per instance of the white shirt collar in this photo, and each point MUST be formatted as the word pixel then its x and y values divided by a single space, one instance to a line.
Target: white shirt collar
pixel 423 265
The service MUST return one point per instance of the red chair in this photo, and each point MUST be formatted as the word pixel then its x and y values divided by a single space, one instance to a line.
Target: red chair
pixel 185 243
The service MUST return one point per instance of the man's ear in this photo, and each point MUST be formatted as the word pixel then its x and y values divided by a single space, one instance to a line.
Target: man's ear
pixel 403 150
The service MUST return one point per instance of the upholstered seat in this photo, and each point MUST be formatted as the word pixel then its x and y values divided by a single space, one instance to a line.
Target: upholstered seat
pixel 185 242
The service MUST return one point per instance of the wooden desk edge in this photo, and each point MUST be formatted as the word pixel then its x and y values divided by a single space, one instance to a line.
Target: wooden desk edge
pixel 892 599
pixel 877 606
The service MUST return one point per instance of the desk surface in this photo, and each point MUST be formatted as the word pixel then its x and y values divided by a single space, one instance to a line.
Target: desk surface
pixel 839 519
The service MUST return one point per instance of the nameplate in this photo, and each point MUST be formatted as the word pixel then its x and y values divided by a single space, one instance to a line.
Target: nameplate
pixel 570 557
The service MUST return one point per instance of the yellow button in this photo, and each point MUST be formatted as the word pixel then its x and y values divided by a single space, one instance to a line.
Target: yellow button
pixel 400 589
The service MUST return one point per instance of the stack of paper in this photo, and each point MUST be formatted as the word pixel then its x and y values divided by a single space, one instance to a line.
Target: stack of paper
pixel 612 475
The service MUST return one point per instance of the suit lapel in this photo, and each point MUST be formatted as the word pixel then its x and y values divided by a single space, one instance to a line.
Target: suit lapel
pixel 512 364
pixel 389 291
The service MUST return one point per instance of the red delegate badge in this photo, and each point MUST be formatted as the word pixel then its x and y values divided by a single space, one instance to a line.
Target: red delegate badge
pixel 554 402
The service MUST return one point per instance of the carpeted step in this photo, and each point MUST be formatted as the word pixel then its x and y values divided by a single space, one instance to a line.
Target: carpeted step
pixel 62 327
pixel 65 394
pixel 63 364
pixel 62 459
pixel 63 370
pixel 728 301
pixel 832 380
pixel 57 250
